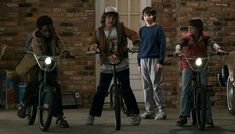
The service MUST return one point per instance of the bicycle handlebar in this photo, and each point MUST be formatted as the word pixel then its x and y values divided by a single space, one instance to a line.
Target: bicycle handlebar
pixel 92 52
pixel 210 54
pixel 48 67
pixel 114 61
pixel 204 60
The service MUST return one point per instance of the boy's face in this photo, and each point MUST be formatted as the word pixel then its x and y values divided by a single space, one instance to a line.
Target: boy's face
pixel 193 30
pixel 148 18
pixel 46 31
pixel 109 21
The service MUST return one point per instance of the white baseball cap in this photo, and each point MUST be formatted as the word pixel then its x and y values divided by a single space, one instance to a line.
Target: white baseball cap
pixel 110 9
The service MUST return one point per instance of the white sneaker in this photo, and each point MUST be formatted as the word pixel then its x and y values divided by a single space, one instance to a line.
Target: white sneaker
pixel 90 120
pixel 161 115
pixel 135 120
pixel 148 115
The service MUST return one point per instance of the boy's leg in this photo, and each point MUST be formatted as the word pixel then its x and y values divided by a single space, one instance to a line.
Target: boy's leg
pixel 101 93
pixel 127 93
pixel 150 105
pixel 204 80
pixel 98 100
pixel 156 80
pixel 209 119
pixel 58 108
pixel 128 96
pixel 32 80
pixel 185 96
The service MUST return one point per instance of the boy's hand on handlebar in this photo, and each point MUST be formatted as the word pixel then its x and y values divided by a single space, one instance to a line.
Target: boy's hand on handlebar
pixel 176 53
pixel 66 54
pixel 92 47
pixel 134 49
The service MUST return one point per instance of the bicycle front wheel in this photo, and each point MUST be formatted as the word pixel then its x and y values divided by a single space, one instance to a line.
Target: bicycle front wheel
pixel 31 112
pixel 201 108
pixel 45 109
pixel 117 107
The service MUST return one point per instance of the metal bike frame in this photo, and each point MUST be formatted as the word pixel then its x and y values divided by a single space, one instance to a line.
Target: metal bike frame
pixel 43 85
pixel 114 84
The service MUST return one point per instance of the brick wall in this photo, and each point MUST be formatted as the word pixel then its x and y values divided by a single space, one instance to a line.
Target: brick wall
pixel 219 18
pixel 75 20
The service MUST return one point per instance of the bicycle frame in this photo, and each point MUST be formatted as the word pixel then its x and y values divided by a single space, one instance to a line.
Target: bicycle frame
pixel 115 94
pixel 199 90
pixel 115 90
pixel 45 93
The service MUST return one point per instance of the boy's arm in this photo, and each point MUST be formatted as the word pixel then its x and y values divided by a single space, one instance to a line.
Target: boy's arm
pixel 162 39
pixel 139 50
pixel 93 40
pixel 132 35
pixel 182 42
pixel 37 47
pixel 213 44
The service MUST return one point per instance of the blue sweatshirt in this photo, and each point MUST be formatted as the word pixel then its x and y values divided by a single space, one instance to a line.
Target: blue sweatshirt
pixel 153 43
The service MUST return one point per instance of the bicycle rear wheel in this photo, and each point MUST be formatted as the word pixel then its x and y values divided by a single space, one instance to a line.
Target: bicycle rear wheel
pixel 45 109
pixel 117 107
pixel 201 108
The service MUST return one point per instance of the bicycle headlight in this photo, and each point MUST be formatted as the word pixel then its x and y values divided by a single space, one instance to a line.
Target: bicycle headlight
pixel 198 61
pixel 48 60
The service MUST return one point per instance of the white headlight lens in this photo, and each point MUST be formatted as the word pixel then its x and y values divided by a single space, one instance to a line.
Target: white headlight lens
pixel 198 61
pixel 48 60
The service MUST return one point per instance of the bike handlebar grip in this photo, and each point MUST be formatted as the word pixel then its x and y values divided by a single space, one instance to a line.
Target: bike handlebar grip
pixel 29 52
pixel 133 51
pixel 170 55
pixel 90 52
pixel 222 53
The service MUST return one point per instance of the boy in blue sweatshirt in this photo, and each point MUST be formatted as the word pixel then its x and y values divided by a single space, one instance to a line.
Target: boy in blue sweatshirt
pixel 150 58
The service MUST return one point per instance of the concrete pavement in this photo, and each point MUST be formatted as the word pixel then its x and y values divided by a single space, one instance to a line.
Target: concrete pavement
pixel 11 124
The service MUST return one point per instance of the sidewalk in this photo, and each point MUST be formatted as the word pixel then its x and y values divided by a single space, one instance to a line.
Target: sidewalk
pixel 11 124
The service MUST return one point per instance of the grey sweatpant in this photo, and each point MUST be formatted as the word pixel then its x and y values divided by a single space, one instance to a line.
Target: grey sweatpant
pixel 152 85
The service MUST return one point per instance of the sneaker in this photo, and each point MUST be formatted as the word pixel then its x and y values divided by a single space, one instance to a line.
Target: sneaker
pixel 21 111
pixel 161 115
pixel 148 115
pixel 135 120
pixel 210 123
pixel 90 120
pixel 181 121
pixel 61 122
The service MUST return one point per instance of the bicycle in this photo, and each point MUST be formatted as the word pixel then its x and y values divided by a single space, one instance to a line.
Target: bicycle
pixel 199 92
pixel 46 93
pixel 115 94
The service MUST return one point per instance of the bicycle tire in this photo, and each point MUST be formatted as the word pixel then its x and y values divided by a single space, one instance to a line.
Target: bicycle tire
pixel 111 98
pixel 201 108
pixel 46 105
pixel 117 107
pixel 231 96
pixel 31 113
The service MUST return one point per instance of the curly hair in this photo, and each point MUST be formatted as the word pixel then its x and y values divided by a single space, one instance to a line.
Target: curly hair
pixel 114 15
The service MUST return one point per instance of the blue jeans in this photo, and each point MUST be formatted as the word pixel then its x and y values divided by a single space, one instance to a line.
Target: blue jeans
pixel 185 102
